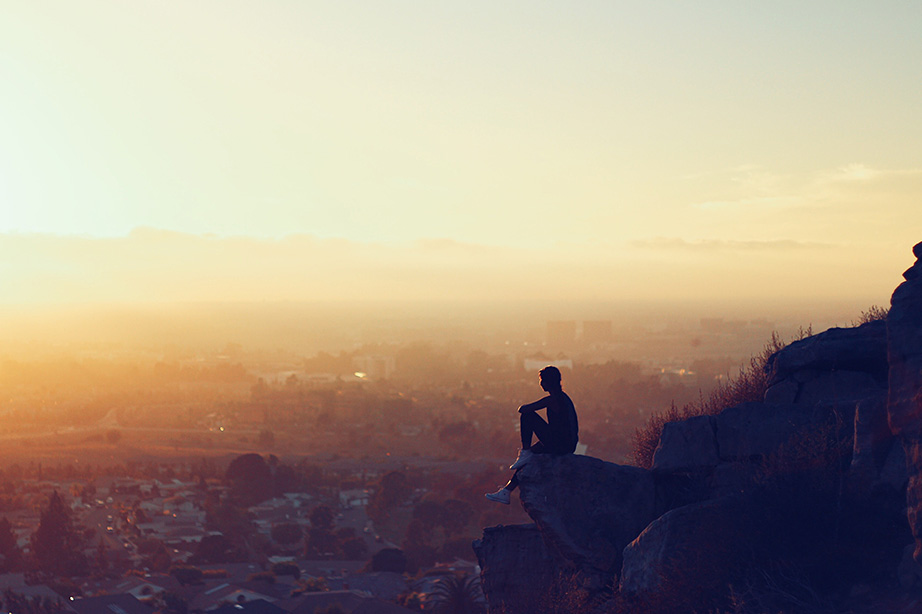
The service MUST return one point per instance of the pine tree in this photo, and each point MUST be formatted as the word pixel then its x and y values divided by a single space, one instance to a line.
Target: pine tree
pixel 56 542
pixel 8 548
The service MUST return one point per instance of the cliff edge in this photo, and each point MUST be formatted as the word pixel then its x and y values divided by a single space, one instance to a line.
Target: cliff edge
pixel 785 504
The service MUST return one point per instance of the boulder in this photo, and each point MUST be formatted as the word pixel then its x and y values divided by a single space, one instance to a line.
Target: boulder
pixel 874 447
pixel 515 564
pixel 687 555
pixel 839 387
pixel 752 430
pixel 732 478
pixel 587 511
pixel 904 401
pixel 904 330
pixel 687 445
pixel 862 348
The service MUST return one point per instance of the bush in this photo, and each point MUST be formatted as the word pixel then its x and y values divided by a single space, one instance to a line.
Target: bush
pixel 874 313
pixel 749 385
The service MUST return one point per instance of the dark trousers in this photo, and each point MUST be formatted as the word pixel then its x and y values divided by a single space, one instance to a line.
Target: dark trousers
pixel 531 425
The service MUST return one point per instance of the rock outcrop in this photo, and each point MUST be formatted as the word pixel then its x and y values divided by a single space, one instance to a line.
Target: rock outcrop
pixel 904 403
pixel 588 511
pixel 662 566
pixel 817 478
pixel 515 566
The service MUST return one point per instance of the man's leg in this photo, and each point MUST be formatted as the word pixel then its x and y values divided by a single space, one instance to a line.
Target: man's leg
pixel 531 424
pixel 503 494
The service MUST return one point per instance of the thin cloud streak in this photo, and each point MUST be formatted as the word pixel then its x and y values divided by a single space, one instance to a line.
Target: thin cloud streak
pixel 760 188
pixel 719 245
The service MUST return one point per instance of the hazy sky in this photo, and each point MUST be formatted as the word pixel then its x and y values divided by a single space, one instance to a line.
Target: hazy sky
pixel 281 149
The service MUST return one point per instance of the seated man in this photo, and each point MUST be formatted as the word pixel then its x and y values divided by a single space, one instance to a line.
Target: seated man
pixel 558 435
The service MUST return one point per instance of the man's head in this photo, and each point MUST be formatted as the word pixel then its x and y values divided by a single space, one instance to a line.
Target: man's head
pixel 550 378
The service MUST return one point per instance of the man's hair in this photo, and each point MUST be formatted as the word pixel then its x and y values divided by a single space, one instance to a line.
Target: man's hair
pixel 549 374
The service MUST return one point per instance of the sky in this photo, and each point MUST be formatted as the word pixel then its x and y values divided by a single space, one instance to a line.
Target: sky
pixel 298 150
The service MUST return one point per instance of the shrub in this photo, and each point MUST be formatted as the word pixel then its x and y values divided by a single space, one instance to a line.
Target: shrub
pixel 874 313
pixel 749 385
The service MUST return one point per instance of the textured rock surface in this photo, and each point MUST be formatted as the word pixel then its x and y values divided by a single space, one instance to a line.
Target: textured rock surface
pixel 904 403
pixel 685 553
pixel 754 430
pixel 587 511
pixel 687 445
pixel 862 349
pixel 515 565
pixel 905 352
pixel 757 484
pixel 873 441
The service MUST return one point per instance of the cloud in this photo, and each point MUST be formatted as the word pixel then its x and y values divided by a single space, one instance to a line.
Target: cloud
pixel 861 173
pixel 718 245
pixel 754 187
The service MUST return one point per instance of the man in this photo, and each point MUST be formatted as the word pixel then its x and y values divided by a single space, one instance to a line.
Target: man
pixel 558 435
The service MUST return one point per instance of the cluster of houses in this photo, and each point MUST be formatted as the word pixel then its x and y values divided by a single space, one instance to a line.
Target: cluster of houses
pixel 120 513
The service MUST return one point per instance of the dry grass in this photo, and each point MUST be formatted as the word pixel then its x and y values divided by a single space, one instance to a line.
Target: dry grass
pixel 874 313
pixel 749 385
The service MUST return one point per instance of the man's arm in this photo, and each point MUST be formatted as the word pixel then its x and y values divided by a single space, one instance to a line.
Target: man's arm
pixel 539 404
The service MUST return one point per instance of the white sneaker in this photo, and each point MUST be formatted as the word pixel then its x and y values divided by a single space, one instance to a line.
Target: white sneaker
pixel 500 496
pixel 522 460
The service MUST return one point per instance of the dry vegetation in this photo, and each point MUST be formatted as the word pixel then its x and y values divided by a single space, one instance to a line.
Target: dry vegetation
pixel 749 385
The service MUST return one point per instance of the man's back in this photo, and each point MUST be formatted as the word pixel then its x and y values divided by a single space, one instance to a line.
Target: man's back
pixel 561 418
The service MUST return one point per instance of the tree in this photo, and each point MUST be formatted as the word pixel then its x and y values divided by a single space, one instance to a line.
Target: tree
pixel 159 559
pixel 322 517
pixel 457 594
pixel 393 490
pixel 250 479
pixel 57 544
pixel 101 560
pixel 8 548
pixel 321 542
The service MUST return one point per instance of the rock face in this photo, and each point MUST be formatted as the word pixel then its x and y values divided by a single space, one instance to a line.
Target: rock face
pixel 587 511
pixel 688 446
pixel 813 475
pixel 904 403
pixel 515 565
pixel 840 363
pixel 662 567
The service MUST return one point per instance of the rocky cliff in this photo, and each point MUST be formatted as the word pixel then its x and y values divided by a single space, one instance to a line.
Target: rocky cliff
pixel 776 504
